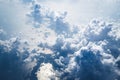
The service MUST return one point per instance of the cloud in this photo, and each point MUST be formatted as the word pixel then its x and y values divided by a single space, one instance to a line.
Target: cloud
pixel 52 48
pixel 115 32
pixel 46 72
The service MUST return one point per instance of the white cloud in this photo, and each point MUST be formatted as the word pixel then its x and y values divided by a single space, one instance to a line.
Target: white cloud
pixel 46 72
pixel 115 32
pixel 79 47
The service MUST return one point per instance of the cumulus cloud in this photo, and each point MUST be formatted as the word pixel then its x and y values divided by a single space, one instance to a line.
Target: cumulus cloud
pixel 52 49
pixel 46 72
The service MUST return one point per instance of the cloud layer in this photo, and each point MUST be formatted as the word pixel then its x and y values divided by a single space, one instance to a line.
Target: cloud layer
pixel 47 47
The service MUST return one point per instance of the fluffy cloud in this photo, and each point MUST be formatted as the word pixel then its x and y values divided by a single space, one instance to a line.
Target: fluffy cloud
pixel 46 72
pixel 51 48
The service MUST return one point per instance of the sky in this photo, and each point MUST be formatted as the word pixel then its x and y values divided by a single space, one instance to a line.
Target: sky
pixel 82 11
pixel 59 40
